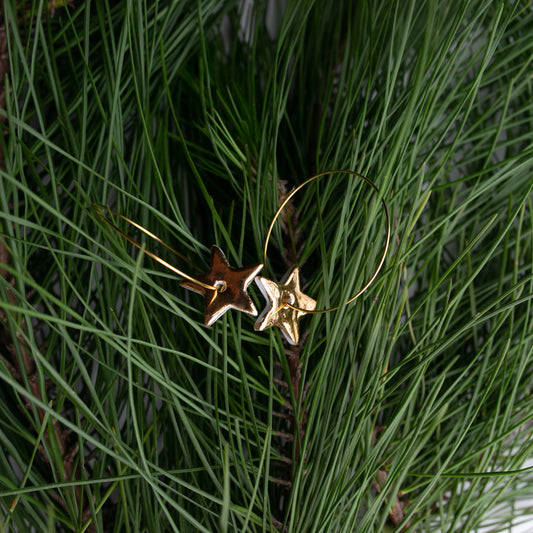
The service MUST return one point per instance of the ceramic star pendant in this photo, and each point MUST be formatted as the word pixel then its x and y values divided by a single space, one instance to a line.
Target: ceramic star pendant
pixel 277 312
pixel 232 284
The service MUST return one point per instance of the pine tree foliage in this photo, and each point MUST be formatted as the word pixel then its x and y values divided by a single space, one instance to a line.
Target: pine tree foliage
pixel 409 409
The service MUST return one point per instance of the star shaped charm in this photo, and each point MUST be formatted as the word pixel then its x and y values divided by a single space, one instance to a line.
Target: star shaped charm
pixel 277 312
pixel 231 283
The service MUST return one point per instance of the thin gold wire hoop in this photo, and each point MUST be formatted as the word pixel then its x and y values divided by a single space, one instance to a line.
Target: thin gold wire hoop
pixel 97 208
pixel 381 260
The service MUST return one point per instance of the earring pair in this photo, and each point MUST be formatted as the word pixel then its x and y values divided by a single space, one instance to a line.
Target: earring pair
pixel 225 287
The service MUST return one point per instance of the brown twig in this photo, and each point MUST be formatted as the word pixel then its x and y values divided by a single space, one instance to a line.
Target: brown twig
pixel 293 419
pixel 24 370
pixel 26 367
pixel 292 235
pixel 396 513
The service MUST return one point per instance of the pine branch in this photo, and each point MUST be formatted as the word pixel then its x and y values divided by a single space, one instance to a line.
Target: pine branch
pixel 409 409
pixel 24 370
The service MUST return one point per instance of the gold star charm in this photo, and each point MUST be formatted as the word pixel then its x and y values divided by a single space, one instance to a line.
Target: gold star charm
pixel 231 284
pixel 277 312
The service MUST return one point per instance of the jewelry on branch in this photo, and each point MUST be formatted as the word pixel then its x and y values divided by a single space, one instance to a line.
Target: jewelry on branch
pixel 294 304
pixel 225 287
pixel 230 287
pixel 281 297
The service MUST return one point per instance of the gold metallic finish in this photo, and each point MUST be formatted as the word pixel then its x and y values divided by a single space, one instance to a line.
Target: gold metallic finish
pixel 286 304
pixel 381 260
pixel 226 287
pixel 98 210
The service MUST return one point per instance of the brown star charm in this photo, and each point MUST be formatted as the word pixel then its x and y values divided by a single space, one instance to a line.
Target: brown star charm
pixel 277 312
pixel 231 286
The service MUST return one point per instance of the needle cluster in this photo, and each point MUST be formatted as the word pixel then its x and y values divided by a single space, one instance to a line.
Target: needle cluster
pixel 409 409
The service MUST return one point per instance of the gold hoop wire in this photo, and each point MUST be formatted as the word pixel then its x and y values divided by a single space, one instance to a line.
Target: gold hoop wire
pixel 381 260
pixel 97 208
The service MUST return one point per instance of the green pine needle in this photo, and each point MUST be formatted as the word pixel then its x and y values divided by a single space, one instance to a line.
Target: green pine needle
pixel 409 409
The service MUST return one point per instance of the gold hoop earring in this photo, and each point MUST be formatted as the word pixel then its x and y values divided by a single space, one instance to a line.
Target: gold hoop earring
pixel 286 303
pixel 223 287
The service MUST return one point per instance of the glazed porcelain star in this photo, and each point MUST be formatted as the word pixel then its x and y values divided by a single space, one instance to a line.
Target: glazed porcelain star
pixel 277 312
pixel 231 286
